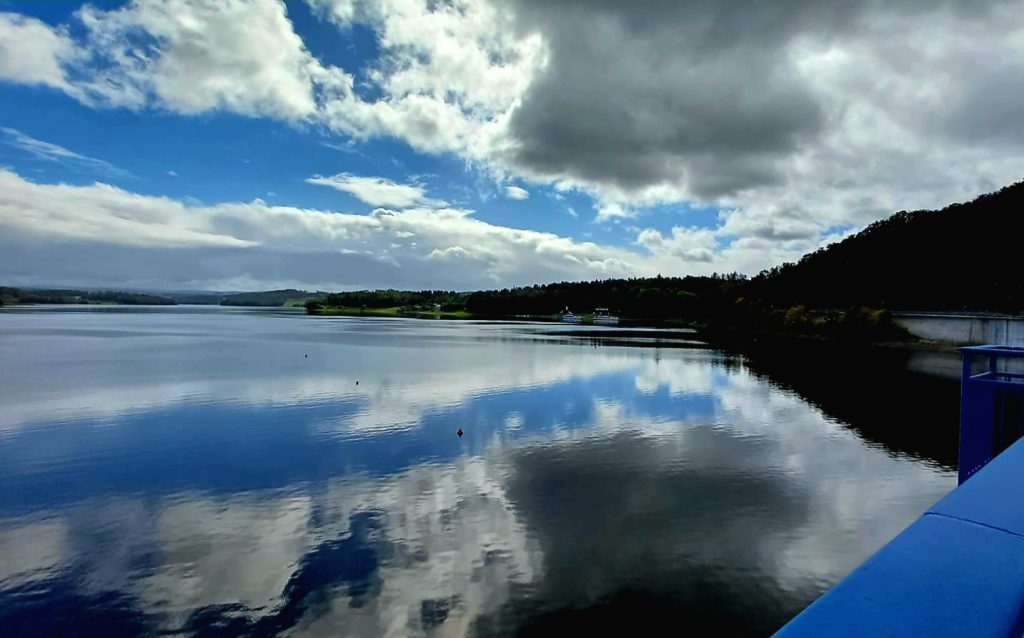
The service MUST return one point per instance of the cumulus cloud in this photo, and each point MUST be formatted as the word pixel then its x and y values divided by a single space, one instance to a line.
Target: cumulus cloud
pixel 515 192
pixel 31 52
pixel 378 191
pixel 687 244
pixel 612 210
pixel 187 56
pixel 792 117
pixel 101 234
pixel 449 73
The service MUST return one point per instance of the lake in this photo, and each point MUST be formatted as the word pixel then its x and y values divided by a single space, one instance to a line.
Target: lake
pixel 208 471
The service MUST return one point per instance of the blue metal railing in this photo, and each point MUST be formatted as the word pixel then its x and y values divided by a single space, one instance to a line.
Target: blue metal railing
pixel 990 405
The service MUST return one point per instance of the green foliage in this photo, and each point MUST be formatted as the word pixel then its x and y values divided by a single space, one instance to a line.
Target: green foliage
pixel 797 317
pixel 690 298
pixel 268 298
pixel 83 297
pixel 407 299
pixel 963 257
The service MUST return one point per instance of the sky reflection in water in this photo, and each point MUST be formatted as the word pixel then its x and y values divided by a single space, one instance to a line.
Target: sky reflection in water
pixel 195 472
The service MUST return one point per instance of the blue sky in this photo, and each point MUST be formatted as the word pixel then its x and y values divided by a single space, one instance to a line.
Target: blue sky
pixel 470 143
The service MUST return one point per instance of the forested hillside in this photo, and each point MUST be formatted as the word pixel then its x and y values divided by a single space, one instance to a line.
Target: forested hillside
pixel 964 257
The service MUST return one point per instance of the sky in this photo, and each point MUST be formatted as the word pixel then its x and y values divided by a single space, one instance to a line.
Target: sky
pixel 468 144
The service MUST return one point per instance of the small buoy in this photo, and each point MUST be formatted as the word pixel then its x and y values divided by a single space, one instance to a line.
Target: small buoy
pixel 459 432
pixel 357 383
pixel 306 356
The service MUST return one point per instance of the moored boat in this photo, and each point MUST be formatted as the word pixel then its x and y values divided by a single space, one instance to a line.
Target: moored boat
pixel 603 318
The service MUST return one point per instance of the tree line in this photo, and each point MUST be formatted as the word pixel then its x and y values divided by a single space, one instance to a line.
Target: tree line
pixel 60 296
pixel 963 257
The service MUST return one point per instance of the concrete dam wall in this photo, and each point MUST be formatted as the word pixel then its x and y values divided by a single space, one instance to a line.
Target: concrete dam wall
pixel 964 329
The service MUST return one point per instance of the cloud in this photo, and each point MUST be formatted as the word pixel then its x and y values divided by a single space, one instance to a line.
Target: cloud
pixel 448 73
pixel 348 147
pixel 612 210
pixel 194 56
pixel 792 117
pixel 102 235
pixel 687 244
pixel 515 192
pixel 54 153
pixel 31 52
pixel 378 191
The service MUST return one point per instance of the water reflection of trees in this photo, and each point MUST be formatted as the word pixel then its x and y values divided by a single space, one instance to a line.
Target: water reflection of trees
pixel 875 390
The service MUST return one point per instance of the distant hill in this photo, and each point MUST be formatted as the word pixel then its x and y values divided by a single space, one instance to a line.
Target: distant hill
pixel 268 298
pixel 193 297
pixel 964 257
pixel 30 296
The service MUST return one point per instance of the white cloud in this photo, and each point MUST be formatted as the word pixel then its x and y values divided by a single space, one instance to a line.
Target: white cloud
pixel 449 73
pixel 378 191
pixel 193 56
pixel 515 192
pixel 812 124
pixel 347 148
pixel 612 210
pixel 106 234
pixel 831 137
pixel 686 244
pixel 103 213
pixel 31 52
pixel 54 153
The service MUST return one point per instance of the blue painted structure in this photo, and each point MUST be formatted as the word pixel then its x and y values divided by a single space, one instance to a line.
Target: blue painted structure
pixel 959 569
pixel 990 405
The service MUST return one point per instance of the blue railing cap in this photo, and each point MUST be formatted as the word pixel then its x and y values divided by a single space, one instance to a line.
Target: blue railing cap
pixel 1006 351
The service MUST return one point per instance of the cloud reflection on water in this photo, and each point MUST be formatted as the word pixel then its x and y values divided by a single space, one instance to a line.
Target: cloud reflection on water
pixel 675 482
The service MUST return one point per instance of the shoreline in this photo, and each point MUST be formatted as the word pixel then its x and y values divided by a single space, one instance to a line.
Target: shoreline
pixel 657 332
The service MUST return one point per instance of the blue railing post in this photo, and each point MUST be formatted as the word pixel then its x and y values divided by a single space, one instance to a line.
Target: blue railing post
pixel 985 422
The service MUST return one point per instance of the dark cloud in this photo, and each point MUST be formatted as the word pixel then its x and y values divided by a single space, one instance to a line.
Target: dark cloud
pixel 708 97
pixel 643 93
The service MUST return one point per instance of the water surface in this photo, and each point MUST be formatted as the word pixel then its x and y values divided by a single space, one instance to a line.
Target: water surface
pixel 207 471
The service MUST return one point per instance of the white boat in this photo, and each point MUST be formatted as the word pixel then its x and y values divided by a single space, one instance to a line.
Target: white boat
pixel 603 318
pixel 569 317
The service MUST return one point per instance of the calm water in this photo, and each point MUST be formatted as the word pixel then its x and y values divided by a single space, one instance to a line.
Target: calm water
pixel 237 472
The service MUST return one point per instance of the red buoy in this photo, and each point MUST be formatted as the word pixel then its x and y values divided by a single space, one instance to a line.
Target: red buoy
pixel 459 432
